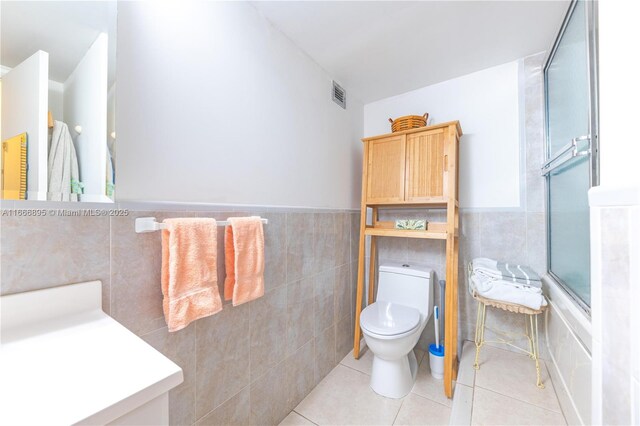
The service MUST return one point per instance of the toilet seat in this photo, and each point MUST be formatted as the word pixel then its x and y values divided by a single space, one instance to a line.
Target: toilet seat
pixel 389 320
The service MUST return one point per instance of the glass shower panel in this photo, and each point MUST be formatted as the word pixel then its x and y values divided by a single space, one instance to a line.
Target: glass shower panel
pixel 569 226
pixel 568 113
pixel 568 85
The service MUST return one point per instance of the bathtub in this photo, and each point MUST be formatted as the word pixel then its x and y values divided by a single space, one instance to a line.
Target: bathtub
pixel 568 337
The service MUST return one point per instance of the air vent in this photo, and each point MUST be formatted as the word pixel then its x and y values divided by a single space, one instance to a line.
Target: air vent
pixel 339 96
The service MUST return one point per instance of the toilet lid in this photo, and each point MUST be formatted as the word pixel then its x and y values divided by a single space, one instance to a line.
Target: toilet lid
pixel 388 319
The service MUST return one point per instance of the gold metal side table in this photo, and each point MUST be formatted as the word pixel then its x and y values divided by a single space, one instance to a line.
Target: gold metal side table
pixel 531 330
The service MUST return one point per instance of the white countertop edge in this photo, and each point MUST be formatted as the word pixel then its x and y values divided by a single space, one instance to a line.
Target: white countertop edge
pixel 120 408
pixel 614 196
pixel 71 316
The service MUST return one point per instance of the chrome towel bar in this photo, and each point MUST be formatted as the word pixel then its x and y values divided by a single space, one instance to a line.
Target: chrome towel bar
pixel 149 224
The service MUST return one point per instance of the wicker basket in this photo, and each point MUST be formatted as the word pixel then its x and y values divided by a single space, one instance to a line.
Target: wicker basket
pixel 408 122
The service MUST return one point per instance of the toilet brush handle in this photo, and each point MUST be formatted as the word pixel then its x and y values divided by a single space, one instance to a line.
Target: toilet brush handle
pixel 436 314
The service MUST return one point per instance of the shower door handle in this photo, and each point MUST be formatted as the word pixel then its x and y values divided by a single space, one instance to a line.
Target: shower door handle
pixel 581 138
pixel 583 152
pixel 572 147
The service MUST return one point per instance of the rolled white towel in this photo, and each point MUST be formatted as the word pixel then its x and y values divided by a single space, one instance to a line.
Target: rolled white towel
pixel 510 272
pixel 506 291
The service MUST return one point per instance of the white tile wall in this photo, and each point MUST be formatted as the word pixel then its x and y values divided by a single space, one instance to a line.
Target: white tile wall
pixel 615 253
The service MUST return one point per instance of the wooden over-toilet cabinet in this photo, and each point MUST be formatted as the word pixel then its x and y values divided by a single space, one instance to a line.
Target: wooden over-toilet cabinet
pixel 413 168
pixel 409 168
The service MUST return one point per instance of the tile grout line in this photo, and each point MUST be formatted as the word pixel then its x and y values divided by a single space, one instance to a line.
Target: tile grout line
pixel 250 309
pixel 473 397
pixel 517 399
pixel 351 368
pixel 195 391
pixel 294 411
pixel 555 392
pixel 410 392
pixel 432 400
pixel 524 402
pixel 480 215
pixel 526 226
pixel 286 310
pixel 222 403
pixel 398 412
pixel 110 267
pixel 473 386
pixel 195 370
pixel 492 345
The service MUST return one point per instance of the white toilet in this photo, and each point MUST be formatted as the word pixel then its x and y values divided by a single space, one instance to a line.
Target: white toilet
pixel 393 324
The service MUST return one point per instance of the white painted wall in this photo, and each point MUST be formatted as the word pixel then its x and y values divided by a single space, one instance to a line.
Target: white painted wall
pixel 56 99
pixel 24 109
pixel 85 104
pixel 619 91
pixel 216 105
pixel 56 94
pixel 488 107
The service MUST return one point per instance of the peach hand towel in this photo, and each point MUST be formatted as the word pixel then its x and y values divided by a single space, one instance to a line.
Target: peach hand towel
pixel 244 259
pixel 189 271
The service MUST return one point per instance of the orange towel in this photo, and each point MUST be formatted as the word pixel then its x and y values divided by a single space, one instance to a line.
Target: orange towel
pixel 189 273
pixel 244 259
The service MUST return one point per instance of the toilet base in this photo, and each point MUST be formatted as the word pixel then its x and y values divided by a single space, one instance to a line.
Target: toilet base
pixel 394 378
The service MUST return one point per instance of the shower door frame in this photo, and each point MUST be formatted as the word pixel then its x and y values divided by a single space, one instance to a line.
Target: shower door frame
pixel 591 17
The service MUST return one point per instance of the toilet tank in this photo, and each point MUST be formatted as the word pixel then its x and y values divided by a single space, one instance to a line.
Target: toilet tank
pixel 409 284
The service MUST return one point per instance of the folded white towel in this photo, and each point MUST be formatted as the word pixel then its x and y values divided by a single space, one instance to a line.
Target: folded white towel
pixel 506 271
pixel 507 291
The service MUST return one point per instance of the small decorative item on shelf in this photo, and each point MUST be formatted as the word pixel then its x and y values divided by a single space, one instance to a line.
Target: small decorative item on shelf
pixel 408 122
pixel 413 224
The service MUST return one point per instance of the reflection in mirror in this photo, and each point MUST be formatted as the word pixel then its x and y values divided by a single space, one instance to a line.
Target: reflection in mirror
pixel 57 84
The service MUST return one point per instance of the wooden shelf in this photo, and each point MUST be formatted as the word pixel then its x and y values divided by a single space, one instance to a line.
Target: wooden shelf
pixel 405 233
pixel 416 168
pixel 435 203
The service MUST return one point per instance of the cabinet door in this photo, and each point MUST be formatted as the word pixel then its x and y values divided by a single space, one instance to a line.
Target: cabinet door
pixel 425 166
pixel 385 170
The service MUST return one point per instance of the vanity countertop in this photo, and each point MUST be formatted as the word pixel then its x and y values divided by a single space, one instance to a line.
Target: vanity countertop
pixel 64 361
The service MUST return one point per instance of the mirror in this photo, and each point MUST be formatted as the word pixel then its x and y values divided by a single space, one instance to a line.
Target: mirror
pixel 57 85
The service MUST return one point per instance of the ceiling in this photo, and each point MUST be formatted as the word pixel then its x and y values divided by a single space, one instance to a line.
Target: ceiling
pixel 64 29
pixel 377 49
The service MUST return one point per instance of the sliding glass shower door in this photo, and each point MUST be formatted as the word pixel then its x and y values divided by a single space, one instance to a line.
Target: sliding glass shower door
pixel 571 150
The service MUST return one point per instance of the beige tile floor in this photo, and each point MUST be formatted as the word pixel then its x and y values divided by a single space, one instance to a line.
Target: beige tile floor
pixel 345 398
pixel 502 392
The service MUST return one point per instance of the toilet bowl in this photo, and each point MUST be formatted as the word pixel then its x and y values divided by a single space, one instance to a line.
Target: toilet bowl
pixel 393 324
